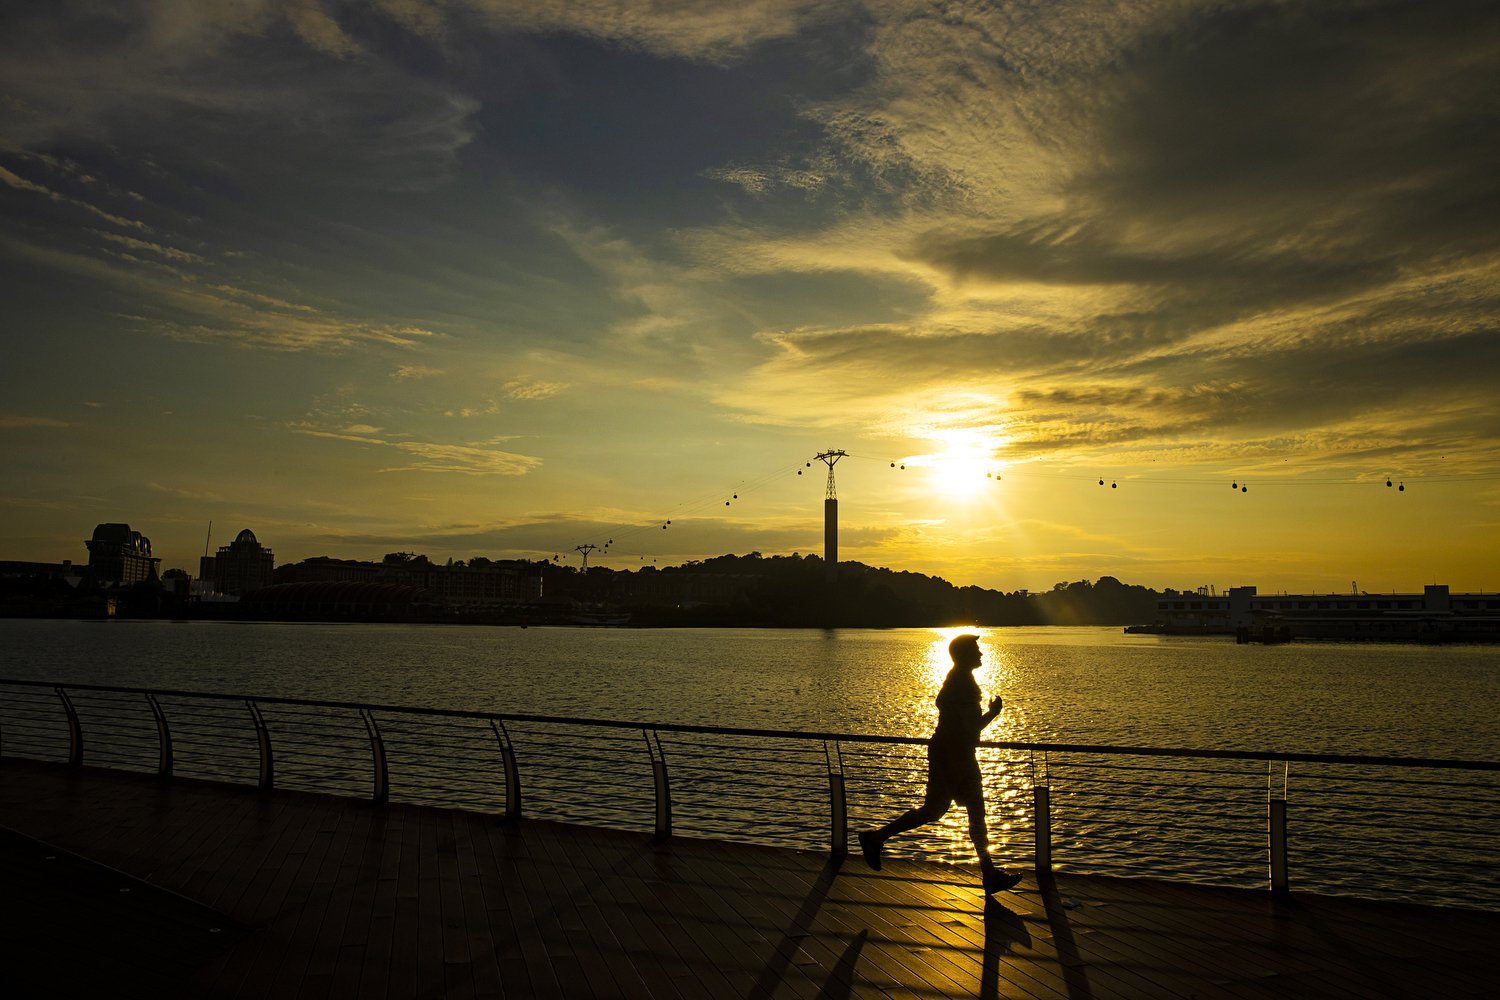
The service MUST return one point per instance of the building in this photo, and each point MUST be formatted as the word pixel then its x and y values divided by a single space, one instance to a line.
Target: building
pixel 481 583
pixel 326 569
pixel 1435 615
pixel 682 588
pixel 119 557
pixel 178 583
pixel 242 566
pixel 64 571
pixel 336 601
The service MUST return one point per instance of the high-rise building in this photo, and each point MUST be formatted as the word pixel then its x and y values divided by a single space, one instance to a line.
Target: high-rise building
pixel 239 567
pixel 119 557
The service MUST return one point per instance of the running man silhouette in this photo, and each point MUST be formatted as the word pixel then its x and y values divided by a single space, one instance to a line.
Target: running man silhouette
pixel 952 771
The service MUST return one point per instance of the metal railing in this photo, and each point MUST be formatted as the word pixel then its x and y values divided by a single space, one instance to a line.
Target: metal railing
pixel 1417 829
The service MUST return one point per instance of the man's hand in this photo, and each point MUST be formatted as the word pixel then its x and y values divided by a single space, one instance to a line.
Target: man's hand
pixel 995 705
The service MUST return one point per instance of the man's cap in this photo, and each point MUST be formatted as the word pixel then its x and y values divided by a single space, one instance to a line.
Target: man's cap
pixel 960 641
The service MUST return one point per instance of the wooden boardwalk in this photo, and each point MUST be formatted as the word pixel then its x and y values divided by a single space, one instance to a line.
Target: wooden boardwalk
pixel 118 884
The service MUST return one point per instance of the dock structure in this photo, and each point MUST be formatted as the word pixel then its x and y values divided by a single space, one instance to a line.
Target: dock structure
pixel 124 884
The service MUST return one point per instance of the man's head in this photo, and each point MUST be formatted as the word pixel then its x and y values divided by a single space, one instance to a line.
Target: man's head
pixel 965 650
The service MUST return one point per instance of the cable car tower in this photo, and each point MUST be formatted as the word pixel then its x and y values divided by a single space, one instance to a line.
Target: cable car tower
pixel 830 458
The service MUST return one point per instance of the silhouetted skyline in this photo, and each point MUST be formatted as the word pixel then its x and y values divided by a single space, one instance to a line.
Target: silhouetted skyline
pixel 461 277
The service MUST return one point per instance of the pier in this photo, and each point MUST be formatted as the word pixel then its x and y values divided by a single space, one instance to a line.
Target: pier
pixel 129 884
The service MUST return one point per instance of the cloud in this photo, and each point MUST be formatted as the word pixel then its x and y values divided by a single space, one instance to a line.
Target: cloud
pixel 217 84
pixel 428 456
pixel 678 28
pixel 224 317
pixel 405 373
pixel 464 459
pixel 35 503
pixel 529 388
pixel 16 422
pixel 765 180
pixel 171 253
pixel 203 496
pixel 1210 226
pixel 22 184
pixel 469 412
pixel 13 180
pixel 638 541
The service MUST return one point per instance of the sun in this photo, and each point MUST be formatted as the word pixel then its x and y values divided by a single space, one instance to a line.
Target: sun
pixel 963 472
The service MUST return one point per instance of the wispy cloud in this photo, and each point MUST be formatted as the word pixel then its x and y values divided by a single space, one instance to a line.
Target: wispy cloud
pixel 17 422
pixel 713 32
pixel 171 253
pixel 405 373
pixel 198 496
pixel 529 388
pixel 431 456
pixel 13 180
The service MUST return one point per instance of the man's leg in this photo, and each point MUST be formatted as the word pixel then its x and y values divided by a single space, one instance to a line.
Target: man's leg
pixel 995 880
pixel 979 832
pixel 872 841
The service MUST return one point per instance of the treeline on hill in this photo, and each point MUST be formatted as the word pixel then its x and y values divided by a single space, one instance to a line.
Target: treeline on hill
pixel 751 590
pixel 802 591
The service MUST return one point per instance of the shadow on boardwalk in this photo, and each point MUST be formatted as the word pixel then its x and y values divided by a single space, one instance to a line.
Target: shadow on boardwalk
pixel 235 892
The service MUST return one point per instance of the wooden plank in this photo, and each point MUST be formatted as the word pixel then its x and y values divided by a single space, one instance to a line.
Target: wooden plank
pixel 363 873
pixel 350 900
pixel 342 891
pixel 380 931
pixel 526 968
pixel 472 913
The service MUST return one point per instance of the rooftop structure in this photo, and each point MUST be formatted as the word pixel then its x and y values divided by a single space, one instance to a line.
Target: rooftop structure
pixel 242 566
pixel 119 557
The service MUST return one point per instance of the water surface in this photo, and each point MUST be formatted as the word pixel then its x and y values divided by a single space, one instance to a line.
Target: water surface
pixel 1077 685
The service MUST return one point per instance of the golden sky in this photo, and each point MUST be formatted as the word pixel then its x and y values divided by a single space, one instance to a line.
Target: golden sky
pixel 470 277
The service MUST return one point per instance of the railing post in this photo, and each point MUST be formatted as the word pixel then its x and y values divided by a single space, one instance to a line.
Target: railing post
pixel 663 786
pixel 1041 793
pixel 382 792
pixel 163 737
pixel 263 738
pixel 512 772
pixel 838 844
pixel 1276 823
pixel 75 730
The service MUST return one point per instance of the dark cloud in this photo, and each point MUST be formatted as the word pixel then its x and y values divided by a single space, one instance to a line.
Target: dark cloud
pixel 1385 382
pixel 1236 162
pixel 242 92
pixel 1377 117
pixel 545 537
pixel 642 138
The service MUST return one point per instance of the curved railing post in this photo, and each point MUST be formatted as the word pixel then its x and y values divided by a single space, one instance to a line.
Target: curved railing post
pixel 1041 793
pixel 75 730
pixel 382 792
pixel 263 738
pixel 163 737
pixel 838 839
pixel 663 787
pixel 1276 822
pixel 512 770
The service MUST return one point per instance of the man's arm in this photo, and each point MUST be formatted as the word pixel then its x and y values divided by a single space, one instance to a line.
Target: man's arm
pixel 994 713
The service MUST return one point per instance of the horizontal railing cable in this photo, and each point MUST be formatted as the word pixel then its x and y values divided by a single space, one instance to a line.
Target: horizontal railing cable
pixel 1400 825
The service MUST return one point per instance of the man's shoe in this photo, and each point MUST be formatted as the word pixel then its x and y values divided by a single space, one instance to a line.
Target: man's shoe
pixel 870 845
pixel 996 880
